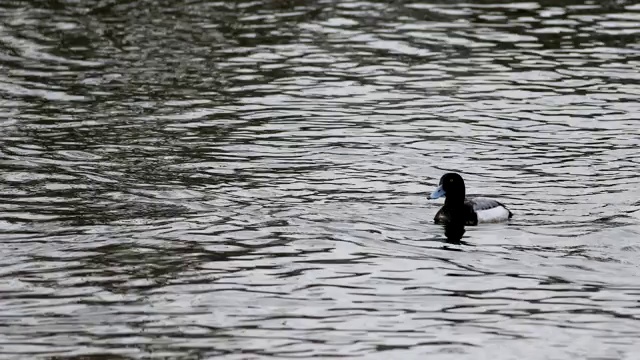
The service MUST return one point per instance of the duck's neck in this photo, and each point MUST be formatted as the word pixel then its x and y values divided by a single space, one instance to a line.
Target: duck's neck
pixel 457 200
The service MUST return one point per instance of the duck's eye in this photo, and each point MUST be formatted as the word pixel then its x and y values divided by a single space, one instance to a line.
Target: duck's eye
pixel 450 180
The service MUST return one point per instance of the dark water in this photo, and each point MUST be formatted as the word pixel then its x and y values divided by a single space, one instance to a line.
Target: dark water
pixel 248 179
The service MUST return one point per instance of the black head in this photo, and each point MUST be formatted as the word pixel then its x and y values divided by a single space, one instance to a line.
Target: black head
pixel 451 186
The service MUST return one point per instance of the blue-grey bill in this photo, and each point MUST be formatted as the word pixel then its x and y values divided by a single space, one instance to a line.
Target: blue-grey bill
pixel 439 192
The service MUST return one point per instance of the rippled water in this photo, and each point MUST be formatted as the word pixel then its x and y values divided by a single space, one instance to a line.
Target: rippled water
pixel 248 179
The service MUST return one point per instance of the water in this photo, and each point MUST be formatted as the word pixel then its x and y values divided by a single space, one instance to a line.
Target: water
pixel 249 179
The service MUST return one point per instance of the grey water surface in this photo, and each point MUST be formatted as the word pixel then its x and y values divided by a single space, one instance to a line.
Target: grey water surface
pixel 248 179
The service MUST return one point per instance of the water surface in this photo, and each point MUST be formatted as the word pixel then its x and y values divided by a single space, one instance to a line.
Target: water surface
pixel 248 179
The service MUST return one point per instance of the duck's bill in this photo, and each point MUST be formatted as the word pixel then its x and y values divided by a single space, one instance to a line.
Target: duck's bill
pixel 438 193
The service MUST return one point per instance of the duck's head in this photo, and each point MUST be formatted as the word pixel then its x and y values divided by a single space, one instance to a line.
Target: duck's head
pixel 451 186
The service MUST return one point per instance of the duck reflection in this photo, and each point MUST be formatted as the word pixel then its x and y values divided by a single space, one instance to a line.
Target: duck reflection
pixel 454 232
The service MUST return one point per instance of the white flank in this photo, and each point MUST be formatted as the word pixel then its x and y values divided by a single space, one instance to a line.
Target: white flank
pixel 496 214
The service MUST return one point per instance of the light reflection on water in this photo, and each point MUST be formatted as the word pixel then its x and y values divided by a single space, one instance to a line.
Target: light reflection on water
pixel 249 179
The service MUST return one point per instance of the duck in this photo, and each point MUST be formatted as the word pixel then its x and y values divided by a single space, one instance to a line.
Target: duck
pixel 458 209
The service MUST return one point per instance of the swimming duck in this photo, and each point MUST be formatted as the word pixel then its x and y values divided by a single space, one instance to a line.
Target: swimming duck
pixel 458 209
